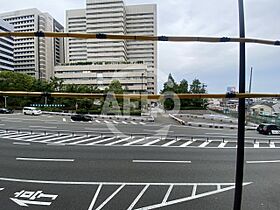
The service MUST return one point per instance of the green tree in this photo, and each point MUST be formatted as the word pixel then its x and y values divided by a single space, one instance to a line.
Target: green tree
pixel 115 87
pixel 197 87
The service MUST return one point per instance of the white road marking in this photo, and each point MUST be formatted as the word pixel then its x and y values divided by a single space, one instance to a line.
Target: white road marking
pixel 115 122
pixel 28 136
pixel 138 197
pixel 101 141
pixel 37 126
pixel 204 144
pixel 25 203
pixel 71 139
pixel 116 142
pixel 142 123
pixel 180 200
pixel 56 138
pixel 95 197
pixel 21 143
pixel 2 124
pixel 97 121
pixel 45 159
pixel 85 140
pixel 107 122
pixel 134 123
pixel 16 136
pixel 222 144
pixel 64 119
pixel 162 161
pixel 109 198
pixel 167 194
pixel 263 161
pixel 41 137
pixel 194 190
pixel 168 143
pixel 256 144
pixel 124 122
pixel 152 142
pixel 134 142
pixel 272 145
pixel 187 143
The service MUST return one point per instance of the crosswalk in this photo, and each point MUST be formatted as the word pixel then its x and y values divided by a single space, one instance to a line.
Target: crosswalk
pixel 144 141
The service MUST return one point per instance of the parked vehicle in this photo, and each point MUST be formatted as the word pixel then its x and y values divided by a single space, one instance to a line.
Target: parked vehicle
pixel 31 111
pixel 6 111
pixel 271 130
pixel 80 117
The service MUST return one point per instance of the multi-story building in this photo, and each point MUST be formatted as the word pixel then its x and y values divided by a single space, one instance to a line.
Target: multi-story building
pixel 133 77
pixel 35 56
pixel 6 48
pixel 113 17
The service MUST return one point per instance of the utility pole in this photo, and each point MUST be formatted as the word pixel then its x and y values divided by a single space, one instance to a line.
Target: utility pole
pixel 250 84
pixel 5 101
pixel 241 113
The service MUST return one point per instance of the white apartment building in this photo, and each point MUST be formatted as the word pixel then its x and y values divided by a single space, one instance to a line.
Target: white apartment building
pixel 35 56
pixel 133 77
pixel 6 48
pixel 113 17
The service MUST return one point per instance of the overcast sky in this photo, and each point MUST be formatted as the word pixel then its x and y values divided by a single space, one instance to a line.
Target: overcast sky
pixel 214 64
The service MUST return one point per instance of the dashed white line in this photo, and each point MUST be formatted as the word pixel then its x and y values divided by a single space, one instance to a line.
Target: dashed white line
pixel 21 143
pixel 162 161
pixel 263 161
pixel 45 159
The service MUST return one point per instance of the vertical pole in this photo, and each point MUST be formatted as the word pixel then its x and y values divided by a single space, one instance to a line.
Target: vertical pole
pixel 241 114
pixel 5 101
pixel 250 84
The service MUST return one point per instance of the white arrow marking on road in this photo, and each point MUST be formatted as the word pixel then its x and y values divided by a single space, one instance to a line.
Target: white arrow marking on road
pixel 25 202
pixel 263 161
pixel 161 161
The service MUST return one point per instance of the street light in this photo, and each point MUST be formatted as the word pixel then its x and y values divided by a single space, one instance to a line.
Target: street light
pixel 5 101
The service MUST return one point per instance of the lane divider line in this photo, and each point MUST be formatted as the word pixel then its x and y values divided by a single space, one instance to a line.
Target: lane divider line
pixel 162 161
pixel 45 159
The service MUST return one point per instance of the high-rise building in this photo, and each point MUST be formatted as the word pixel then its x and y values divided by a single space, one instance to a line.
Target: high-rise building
pixel 113 17
pixel 6 48
pixel 35 56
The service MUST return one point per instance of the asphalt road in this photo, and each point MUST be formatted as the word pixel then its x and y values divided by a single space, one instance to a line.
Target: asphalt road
pixel 43 176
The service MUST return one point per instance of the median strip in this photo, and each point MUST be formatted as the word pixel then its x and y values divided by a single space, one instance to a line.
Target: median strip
pixel 161 161
pixel 45 159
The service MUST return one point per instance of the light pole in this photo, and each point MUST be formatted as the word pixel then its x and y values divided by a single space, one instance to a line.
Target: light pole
pixel 5 101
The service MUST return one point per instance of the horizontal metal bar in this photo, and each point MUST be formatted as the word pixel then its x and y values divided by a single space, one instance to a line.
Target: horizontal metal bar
pixel 141 38
pixel 136 96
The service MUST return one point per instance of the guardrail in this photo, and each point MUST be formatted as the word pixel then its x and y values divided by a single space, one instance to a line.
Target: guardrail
pixel 209 125
pixel 181 137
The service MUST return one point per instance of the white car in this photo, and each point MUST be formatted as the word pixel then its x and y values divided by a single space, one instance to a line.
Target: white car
pixel 31 111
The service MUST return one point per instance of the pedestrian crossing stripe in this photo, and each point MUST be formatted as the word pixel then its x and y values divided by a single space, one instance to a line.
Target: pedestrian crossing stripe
pixel 144 141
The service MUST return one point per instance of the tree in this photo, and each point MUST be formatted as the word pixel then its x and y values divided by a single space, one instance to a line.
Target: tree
pixel 115 87
pixel 170 85
pixel 197 87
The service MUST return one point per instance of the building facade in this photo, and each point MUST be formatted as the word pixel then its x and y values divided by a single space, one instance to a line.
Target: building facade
pixel 35 56
pixel 113 17
pixel 133 77
pixel 6 48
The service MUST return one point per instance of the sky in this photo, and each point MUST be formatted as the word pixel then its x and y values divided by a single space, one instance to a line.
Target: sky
pixel 215 64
